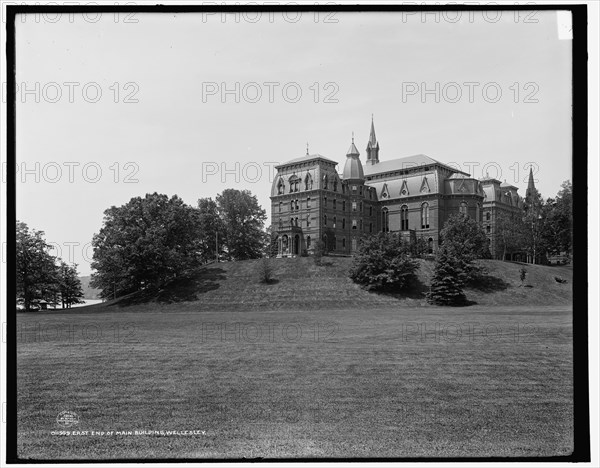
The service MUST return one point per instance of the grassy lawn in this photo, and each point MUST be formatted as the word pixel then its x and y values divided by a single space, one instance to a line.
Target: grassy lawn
pixel 376 382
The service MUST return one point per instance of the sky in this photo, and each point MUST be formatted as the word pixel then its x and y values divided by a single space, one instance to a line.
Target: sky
pixel 114 107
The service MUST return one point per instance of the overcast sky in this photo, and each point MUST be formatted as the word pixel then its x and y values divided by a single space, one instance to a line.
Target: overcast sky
pixel 173 129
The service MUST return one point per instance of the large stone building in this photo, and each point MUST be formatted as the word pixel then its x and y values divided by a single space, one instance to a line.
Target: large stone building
pixel 413 195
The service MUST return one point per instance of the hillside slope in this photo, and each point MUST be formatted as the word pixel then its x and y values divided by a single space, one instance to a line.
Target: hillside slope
pixel 301 285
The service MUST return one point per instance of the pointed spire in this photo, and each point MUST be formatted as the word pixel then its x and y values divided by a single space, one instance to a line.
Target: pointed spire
pixel 372 137
pixel 531 183
pixel 372 145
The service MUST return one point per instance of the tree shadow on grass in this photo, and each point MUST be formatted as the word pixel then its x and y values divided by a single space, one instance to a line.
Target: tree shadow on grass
pixel 416 290
pixel 179 290
pixel 271 281
pixel 487 283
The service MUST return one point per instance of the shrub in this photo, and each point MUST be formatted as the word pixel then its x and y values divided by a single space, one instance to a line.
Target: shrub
pixel 522 275
pixel 265 270
pixel 383 263
pixel 319 252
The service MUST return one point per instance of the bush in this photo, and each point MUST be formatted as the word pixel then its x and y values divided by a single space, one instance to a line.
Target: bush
pixel 265 270
pixel 522 274
pixel 383 263
pixel 319 252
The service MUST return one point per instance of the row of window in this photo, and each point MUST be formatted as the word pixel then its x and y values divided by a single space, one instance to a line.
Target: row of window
pixel 294 205
pixel 357 225
pixel 295 182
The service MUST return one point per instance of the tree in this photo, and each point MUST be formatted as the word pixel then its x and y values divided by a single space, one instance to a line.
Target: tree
pixel 69 285
pixel 145 244
pixel 36 274
pixel 383 263
pixel 449 278
pixel 534 223
pixel 557 234
pixel 212 230
pixel 509 233
pixel 463 240
pixel 243 219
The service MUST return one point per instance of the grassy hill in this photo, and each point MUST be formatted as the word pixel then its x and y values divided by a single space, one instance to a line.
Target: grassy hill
pixel 301 285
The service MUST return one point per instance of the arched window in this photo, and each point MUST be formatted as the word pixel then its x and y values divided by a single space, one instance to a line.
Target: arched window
pixel 344 205
pixel 335 182
pixel 325 181
pixel 370 210
pixel 425 216
pixel 334 221
pixel 344 242
pixel 280 187
pixel 404 218
pixel 463 208
pixel 370 227
pixel 477 212
pixel 291 222
pixel 488 216
pixel 292 205
pixel 308 202
pixel 488 229
pixel 334 204
pixel 385 220
pixel 324 220
pixel 296 221
pixel 280 223
pixel 308 221
pixel 325 202
pixel 430 245
pixel 343 223
pixel 308 242
pixel 280 205
pixel 297 206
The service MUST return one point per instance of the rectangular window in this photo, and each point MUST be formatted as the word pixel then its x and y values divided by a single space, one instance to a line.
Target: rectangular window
pixel 353 224
pixel 334 204
pixel 353 206
pixel 308 202
pixel 354 188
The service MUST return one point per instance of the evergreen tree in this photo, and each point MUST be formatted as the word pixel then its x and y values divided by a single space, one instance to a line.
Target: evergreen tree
pixel 463 240
pixel 449 278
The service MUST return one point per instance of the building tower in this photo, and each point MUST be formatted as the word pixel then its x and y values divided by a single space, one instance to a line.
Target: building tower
pixel 354 177
pixel 372 146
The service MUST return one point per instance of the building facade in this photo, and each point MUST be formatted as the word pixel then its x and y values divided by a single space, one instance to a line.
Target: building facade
pixel 413 196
